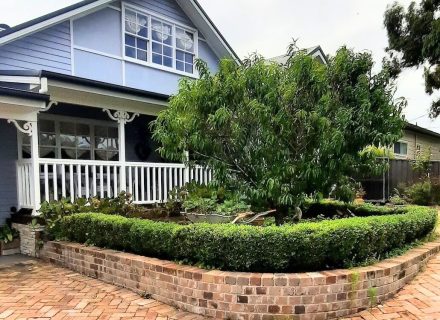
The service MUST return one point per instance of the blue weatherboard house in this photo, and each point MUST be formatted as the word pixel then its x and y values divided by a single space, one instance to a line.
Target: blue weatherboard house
pixel 77 90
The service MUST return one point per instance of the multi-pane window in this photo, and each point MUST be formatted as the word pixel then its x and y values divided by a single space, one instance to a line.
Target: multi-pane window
pixel 158 42
pixel 162 43
pixel 75 141
pixel 136 35
pixel 66 139
pixel 184 50
pixel 106 143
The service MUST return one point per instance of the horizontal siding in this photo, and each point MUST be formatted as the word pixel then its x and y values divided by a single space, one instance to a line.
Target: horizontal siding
pixel 48 49
pixel 167 8
pixel 8 156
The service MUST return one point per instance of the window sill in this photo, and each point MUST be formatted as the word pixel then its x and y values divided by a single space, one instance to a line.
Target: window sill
pixel 162 68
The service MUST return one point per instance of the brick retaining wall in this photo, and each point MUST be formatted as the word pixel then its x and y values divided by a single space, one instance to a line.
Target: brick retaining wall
pixel 236 295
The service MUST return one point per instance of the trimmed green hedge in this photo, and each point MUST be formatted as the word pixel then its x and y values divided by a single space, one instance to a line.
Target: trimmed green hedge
pixel 301 247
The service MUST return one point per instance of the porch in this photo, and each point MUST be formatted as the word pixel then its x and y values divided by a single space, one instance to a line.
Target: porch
pixel 84 139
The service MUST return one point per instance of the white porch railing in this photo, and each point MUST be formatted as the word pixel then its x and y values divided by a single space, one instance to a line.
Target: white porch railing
pixel 147 182
pixel 25 184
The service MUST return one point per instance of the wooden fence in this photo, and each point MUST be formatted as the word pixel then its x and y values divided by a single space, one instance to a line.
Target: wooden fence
pixel 399 172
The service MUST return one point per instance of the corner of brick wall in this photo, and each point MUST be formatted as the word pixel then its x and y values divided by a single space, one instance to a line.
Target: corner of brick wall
pixel 249 296
pixel 29 237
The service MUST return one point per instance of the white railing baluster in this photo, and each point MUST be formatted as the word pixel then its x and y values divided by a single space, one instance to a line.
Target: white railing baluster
pixel 130 180
pixel 101 181
pixel 108 182
pixel 78 175
pixel 136 184
pixel 55 183
pixel 86 177
pixel 95 191
pixel 170 180
pixel 63 181
pixel 165 184
pixel 72 191
pixel 148 185
pixel 159 170
pixel 154 185
pixel 142 184
pixel 115 182
pixel 46 182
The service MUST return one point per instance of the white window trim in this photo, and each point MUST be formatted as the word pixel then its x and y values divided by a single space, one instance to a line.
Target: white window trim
pixel 59 118
pixel 175 24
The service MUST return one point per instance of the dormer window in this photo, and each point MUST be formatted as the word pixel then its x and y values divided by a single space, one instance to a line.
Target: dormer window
pixel 158 42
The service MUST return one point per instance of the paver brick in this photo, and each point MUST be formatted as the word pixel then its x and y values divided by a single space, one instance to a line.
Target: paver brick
pixel 44 291
pixel 419 300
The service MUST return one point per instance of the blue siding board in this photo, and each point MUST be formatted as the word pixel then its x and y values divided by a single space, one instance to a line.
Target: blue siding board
pixel 207 55
pixel 150 79
pixel 168 8
pixel 8 156
pixel 97 67
pixel 100 31
pixel 23 53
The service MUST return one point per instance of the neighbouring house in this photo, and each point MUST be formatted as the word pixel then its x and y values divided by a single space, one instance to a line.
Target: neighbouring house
pixel 417 140
pixel 316 52
pixel 78 88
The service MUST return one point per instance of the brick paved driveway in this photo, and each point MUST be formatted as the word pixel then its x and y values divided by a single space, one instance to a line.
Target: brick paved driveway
pixel 43 291
pixel 418 300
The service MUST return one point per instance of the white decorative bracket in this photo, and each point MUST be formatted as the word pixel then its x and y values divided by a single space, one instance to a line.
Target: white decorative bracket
pixel 50 105
pixel 122 117
pixel 27 127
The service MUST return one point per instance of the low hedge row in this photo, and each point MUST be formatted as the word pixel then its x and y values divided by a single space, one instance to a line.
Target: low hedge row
pixel 329 208
pixel 301 247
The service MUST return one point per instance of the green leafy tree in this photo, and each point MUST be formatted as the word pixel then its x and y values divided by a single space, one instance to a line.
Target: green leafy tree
pixel 278 133
pixel 414 40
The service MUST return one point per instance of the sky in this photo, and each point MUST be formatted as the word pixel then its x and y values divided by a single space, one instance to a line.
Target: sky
pixel 267 27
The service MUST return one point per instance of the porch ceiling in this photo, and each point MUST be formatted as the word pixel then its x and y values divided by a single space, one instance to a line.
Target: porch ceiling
pixel 102 98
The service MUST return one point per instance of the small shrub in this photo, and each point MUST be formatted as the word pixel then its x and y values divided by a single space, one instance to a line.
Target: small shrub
pixel 8 234
pixel 305 246
pixel 204 199
pixel 420 193
pixel 52 212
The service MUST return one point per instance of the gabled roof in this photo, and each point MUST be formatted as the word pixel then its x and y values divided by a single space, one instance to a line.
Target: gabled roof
pixel 191 7
pixel 313 51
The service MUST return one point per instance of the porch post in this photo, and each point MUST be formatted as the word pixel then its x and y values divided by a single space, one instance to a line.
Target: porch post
pixel 122 156
pixel 31 128
pixel 35 166
pixel 122 117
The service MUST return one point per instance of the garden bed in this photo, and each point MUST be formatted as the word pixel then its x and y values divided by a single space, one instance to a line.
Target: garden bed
pixel 307 246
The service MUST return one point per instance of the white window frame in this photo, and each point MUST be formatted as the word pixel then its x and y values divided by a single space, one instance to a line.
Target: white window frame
pixel 153 15
pixel 402 154
pixel 59 118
